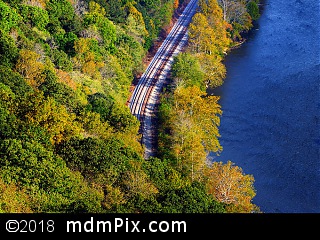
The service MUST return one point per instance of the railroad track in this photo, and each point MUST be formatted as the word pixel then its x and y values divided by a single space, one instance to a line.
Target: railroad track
pixel 160 65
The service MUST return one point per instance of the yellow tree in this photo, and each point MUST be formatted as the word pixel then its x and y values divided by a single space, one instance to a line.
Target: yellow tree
pixel 85 59
pixel 228 184
pixel 135 182
pixel 214 15
pixel 60 124
pixel 207 116
pixel 207 38
pixel 135 24
pixel 96 11
pixel 215 71
pixel 93 126
pixel 197 32
pixel 30 68
pixel 195 128
pixel 13 199
pixel 65 78
pixel 113 197
pixel 188 146
pixel 138 183
pixel 203 111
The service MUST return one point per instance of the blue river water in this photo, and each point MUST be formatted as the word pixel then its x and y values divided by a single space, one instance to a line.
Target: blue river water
pixel 271 107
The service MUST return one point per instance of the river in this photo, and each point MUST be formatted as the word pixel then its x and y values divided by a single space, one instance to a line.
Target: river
pixel 270 103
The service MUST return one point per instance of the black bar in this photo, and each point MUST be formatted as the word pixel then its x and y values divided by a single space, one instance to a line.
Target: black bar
pixel 156 223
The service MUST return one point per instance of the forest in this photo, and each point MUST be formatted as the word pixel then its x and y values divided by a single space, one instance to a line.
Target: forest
pixel 68 142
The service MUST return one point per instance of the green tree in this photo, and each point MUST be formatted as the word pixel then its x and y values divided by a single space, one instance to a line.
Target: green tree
pixel 35 16
pixel 61 15
pixel 101 104
pixel 96 16
pixel 190 199
pixel 61 60
pixel 110 164
pixel 186 71
pixel 50 184
pixel 9 18
pixel 66 41
pixel 122 119
pixel 115 11
pixel 8 126
pixel 163 174
pixel 14 80
pixel 135 24
pixel 253 9
pixel 8 50
pixel 61 92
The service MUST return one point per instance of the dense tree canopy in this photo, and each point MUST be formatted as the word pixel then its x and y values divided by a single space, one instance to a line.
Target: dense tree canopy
pixel 68 141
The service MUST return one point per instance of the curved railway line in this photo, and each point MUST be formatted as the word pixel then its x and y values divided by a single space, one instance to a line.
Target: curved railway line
pixel 150 83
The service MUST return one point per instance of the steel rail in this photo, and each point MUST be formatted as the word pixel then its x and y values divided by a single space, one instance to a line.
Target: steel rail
pixel 139 96
pixel 149 78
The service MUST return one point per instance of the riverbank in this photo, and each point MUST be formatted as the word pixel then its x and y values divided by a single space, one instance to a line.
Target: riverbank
pixel 271 108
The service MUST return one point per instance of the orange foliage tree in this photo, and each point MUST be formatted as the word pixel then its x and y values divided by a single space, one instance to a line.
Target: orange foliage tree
pixel 175 4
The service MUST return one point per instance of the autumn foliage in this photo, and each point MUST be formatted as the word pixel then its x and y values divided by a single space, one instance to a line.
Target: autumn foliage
pixel 189 118
pixel 228 184
pixel 68 141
